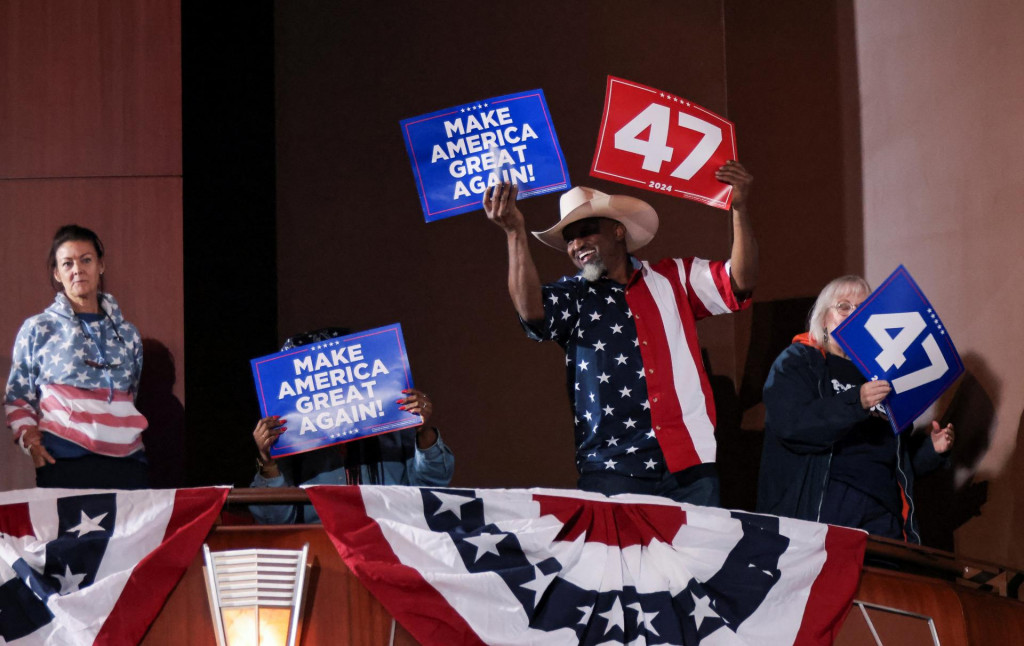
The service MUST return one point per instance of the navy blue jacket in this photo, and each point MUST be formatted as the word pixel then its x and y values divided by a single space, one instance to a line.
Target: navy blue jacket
pixel 804 419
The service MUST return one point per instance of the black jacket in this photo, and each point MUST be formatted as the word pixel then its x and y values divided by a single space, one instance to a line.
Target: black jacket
pixel 804 419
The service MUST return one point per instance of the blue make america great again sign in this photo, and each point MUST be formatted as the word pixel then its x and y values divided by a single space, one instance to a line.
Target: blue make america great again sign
pixel 458 152
pixel 337 390
pixel 896 335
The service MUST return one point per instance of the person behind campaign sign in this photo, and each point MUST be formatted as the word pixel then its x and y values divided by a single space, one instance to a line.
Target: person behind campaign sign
pixel 70 397
pixel 413 456
pixel 830 454
pixel 644 416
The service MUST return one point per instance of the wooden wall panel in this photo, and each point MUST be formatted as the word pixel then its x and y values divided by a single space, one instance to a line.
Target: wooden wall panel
pixel 139 222
pixel 90 88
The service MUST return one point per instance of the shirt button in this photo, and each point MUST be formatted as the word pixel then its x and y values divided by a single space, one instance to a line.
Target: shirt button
pixel 655 400
pixel 657 428
pixel 650 371
pixel 645 342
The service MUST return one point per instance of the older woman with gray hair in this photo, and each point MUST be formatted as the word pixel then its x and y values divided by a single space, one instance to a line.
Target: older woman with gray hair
pixel 830 454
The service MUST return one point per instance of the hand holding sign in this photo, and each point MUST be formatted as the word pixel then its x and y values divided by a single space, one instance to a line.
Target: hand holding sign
pixel 872 393
pixel 734 174
pixel 501 209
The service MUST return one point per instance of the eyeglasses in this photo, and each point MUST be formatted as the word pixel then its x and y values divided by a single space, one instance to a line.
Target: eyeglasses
pixel 102 366
pixel 844 307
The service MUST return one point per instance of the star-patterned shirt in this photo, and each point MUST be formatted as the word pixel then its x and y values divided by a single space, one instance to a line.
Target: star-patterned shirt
pixel 606 375
pixel 76 379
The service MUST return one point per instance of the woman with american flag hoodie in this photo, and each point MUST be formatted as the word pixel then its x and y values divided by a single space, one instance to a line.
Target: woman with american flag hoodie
pixel 70 398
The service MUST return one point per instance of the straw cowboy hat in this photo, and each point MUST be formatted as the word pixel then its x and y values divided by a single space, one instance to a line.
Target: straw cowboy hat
pixel 580 203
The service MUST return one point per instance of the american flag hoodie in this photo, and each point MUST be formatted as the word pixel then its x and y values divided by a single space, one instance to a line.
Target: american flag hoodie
pixel 77 381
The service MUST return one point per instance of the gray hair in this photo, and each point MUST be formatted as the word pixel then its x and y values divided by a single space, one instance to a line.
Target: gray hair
pixel 835 291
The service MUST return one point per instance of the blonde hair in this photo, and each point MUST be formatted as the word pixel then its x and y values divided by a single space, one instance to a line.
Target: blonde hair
pixel 833 292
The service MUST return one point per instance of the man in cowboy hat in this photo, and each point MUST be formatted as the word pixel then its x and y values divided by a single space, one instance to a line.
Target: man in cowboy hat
pixel 640 395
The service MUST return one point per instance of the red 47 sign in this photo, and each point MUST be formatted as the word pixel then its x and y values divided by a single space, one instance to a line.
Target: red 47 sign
pixel 663 143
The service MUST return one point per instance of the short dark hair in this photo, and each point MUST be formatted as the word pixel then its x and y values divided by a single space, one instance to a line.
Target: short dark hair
pixel 72 233
pixel 314 336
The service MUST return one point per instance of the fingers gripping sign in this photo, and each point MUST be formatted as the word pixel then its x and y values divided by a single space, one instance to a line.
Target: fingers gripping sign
pixel 500 205
pixel 266 433
pixel 873 393
pixel 734 174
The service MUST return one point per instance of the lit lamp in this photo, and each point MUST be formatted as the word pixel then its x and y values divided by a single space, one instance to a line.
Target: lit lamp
pixel 256 595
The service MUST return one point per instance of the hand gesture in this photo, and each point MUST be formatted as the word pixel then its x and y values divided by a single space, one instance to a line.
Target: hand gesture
pixel 500 206
pixel 942 438
pixel 873 392
pixel 266 433
pixel 416 401
pixel 33 439
pixel 734 174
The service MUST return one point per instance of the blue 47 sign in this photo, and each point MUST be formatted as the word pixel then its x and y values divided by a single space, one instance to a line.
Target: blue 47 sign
pixel 896 335
pixel 337 390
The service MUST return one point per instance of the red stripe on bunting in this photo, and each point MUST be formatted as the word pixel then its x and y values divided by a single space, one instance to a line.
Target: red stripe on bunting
pixel 834 587
pixel 152 580
pixel 421 609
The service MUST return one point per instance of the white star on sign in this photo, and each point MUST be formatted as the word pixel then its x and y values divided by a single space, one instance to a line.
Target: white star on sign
pixel 88 525
pixel 450 503
pixel 702 609
pixel 614 617
pixel 485 544
pixel 69 582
